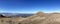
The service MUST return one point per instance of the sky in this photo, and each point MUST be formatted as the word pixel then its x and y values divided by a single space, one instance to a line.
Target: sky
pixel 29 6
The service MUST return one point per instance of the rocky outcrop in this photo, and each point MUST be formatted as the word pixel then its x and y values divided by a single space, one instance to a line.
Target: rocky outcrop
pixel 1 16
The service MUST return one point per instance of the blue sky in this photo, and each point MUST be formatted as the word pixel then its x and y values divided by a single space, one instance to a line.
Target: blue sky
pixel 29 6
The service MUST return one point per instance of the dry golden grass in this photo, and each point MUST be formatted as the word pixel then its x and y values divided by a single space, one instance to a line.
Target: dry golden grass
pixel 42 18
pixel 38 18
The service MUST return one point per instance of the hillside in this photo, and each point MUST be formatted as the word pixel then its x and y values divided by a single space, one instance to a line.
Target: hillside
pixel 38 18
pixel 42 18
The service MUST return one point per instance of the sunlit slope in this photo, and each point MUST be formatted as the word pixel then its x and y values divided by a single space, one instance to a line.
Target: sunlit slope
pixel 38 18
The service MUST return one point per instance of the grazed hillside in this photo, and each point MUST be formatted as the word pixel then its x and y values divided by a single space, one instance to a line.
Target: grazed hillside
pixel 42 18
pixel 38 18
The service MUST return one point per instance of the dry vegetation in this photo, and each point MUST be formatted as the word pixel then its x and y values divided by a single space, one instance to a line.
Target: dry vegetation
pixel 38 18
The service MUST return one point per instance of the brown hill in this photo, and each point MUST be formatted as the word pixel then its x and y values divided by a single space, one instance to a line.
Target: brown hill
pixel 35 19
pixel 53 19
pixel 42 18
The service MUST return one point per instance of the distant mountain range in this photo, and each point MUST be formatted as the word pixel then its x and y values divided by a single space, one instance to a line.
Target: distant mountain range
pixel 16 14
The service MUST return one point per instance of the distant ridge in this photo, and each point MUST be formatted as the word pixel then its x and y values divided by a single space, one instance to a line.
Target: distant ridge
pixel 16 14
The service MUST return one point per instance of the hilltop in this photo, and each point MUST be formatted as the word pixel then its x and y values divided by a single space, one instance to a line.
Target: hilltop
pixel 43 18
